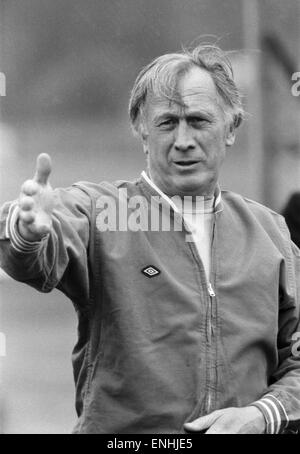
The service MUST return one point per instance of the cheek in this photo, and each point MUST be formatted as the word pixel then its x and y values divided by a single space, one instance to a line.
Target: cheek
pixel 213 145
pixel 215 140
pixel 159 146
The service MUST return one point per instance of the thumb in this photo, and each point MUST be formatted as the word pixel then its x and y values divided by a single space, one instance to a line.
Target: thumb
pixel 202 423
pixel 43 169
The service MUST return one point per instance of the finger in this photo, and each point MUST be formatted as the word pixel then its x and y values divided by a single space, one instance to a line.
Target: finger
pixel 30 188
pixel 26 203
pixel 218 429
pixel 43 229
pixel 35 223
pixel 203 422
pixel 27 217
pixel 43 168
pixel 43 222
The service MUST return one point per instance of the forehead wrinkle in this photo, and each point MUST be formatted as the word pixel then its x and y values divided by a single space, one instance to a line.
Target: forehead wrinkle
pixel 190 97
pixel 197 83
pixel 161 106
pixel 204 102
pixel 192 100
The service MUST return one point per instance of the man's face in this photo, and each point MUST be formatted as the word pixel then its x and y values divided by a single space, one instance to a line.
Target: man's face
pixel 186 141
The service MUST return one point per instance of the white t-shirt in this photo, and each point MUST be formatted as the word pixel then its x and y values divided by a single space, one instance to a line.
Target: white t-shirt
pixel 200 221
pixel 198 215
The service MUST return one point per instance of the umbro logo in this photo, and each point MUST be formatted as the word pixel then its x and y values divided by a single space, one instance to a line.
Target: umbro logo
pixel 150 271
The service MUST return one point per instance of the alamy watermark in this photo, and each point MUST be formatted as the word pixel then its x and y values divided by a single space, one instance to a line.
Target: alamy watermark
pixel 296 86
pixel 2 84
pixel 138 213
pixel 296 344
pixel 2 345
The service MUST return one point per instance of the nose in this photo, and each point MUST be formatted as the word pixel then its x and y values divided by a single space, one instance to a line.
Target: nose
pixel 184 138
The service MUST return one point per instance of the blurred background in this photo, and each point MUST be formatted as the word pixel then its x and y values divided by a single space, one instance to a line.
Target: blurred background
pixel 69 66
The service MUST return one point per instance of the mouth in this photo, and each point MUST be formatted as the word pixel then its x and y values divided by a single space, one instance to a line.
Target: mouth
pixel 185 163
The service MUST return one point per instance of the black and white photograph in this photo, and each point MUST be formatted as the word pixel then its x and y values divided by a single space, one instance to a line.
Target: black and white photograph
pixel 150 219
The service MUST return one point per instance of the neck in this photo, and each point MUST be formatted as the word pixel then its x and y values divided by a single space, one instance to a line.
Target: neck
pixel 207 194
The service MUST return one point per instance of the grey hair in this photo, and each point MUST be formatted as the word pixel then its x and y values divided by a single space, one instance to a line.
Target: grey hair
pixel 160 78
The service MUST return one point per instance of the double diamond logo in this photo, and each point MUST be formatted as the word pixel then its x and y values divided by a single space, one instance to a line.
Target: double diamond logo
pixel 150 271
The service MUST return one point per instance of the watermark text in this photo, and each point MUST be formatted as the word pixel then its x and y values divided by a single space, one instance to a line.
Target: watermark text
pixel 296 86
pixel 2 84
pixel 296 344
pixel 2 344
pixel 138 213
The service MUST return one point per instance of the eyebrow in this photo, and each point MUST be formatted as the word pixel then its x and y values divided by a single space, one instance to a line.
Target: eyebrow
pixel 165 115
pixel 189 114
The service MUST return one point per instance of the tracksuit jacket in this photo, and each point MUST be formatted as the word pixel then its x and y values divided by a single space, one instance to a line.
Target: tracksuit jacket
pixel 158 343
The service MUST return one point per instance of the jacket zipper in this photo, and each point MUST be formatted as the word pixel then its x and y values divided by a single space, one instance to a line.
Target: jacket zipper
pixel 209 324
pixel 209 333
pixel 209 318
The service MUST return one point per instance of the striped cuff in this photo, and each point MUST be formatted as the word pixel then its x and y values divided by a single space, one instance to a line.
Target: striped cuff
pixel 274 413
pixel 17 242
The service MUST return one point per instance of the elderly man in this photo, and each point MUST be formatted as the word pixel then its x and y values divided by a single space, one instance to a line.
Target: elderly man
pixel 187 328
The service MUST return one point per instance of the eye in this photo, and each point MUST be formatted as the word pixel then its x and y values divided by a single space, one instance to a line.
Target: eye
pixel 168 123
pixel 197 121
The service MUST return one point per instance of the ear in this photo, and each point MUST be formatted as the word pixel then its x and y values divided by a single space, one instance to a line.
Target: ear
pixel 144 137
pixel 230 135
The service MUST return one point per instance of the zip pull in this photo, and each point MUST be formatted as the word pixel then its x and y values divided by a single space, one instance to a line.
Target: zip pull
pixel 210 290
pixel 208 327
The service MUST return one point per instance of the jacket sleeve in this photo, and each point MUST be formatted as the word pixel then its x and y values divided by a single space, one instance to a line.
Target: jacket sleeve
pixel 61 258
pixel 281 403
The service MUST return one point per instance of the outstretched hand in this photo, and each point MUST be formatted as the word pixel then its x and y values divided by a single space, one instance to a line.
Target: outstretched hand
pixel 36 202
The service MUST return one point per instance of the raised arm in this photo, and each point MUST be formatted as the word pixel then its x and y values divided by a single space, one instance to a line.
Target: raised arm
pixel 45 234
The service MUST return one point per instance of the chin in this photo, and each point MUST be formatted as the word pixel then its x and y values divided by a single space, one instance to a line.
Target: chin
pixel 193 187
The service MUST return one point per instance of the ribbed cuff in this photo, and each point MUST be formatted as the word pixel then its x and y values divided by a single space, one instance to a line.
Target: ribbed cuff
pixel 274 413
pixel 17 242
